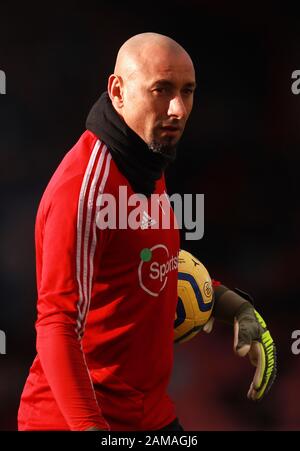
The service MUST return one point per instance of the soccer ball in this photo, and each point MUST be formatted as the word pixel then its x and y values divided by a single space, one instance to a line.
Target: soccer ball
pixel 195 297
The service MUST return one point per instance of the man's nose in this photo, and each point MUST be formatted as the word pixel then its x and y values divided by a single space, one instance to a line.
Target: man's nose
pixel 177 107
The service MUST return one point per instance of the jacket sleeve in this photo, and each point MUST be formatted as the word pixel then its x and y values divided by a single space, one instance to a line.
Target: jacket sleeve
pixel 64 234
pixel 215 283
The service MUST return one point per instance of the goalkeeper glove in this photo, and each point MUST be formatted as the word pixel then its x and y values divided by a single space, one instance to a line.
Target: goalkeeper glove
pixel 252 337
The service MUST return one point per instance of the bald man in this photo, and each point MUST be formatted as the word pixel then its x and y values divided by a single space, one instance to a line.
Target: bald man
pixel 105 305
pixel 152 89
pixel 107 267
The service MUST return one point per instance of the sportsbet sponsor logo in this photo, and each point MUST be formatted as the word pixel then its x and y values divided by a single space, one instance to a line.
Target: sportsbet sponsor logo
pixel 154 268
pixel 157 270
pixel 146 254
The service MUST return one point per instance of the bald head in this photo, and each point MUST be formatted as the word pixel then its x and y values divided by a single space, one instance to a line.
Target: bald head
pixel 152 88
pixel 148 49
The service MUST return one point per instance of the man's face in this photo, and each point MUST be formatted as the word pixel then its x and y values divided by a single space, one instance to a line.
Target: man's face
pixel 158 99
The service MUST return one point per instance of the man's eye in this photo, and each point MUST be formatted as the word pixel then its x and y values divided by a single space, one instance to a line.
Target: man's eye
pixel 159 90
pixel 188 91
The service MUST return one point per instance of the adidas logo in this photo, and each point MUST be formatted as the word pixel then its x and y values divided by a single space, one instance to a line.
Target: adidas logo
pixel 147 221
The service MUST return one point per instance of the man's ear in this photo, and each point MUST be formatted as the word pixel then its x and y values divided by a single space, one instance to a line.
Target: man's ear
pixel 115 90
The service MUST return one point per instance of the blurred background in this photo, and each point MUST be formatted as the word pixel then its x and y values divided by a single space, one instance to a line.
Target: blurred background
pixel 240 148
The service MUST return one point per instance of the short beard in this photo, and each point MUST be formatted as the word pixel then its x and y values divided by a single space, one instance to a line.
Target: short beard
pixel 167 151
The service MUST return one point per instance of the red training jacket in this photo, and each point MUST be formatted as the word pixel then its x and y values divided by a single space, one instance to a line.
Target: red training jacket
pixel 106 305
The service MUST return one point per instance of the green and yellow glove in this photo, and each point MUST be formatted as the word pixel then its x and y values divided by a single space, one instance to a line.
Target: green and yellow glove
pixel 252 338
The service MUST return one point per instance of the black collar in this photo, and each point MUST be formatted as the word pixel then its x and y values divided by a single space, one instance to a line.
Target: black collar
pixel 141 166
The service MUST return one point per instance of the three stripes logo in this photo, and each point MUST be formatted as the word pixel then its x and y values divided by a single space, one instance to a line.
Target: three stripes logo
pixel 147 221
